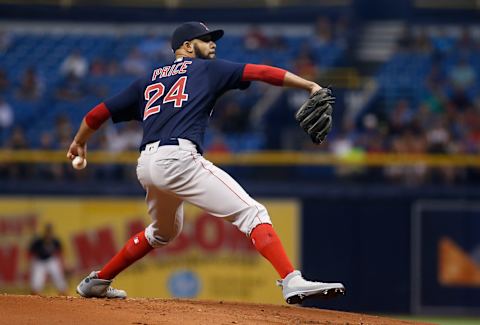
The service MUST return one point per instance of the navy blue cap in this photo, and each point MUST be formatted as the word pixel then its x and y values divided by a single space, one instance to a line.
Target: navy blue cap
pixel 191 30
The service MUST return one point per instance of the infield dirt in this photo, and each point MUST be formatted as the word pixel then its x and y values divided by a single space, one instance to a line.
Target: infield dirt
pixel 37 310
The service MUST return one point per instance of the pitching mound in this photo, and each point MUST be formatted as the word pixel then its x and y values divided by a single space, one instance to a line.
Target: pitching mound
pixel 73 310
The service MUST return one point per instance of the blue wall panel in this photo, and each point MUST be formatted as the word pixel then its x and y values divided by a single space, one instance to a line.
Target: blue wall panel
pixel 363 243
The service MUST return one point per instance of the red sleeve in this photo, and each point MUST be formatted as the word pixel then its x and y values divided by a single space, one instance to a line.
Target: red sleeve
pixel 97 116
pixel 266 73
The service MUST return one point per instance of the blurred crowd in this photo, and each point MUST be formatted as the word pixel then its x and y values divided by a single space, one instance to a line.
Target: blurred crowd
pixel 438 111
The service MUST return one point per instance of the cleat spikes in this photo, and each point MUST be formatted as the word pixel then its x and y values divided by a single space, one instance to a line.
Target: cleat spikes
pixel 295 288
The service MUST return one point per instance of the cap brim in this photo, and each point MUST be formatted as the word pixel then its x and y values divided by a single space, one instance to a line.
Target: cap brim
pixel 215 34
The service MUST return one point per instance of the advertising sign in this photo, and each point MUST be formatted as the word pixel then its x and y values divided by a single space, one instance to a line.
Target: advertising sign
pixel 446 257
pixel 210 259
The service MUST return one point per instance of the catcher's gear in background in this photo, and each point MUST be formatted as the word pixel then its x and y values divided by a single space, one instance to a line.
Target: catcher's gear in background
pixel 315 115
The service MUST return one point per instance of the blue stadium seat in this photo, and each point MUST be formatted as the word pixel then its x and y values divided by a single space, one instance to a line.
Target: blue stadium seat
pixel 47 51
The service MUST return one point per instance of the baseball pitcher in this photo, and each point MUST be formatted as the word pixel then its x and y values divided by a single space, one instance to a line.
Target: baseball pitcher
pixel 174 103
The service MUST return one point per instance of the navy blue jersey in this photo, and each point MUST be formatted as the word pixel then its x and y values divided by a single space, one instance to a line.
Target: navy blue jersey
pixel 176 100
pixel 43 249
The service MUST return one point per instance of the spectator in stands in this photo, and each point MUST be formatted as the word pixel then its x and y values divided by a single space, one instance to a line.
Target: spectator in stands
pixel 440 141
pixel 462 76
pixel 135 64
pixel 435 80
pixel 113 68
pixel 370 131
pixel 98 67
pixel 423 117
pixel 435 99
pixel 132 133
pixel 373 139
pixel 470 125
pixel 342 31
pixel 123 138
pixel 400 117
pixel 4 82
pixel 323 34
pixel 459 99
pixel 17 140
pixel 343 145
pixel 460 129
pixel 218 144
pixel 304 65
pixel 31 87
pixel 277 44
pixel 435 77
pixel 255 39
pixel 377 143
pixel 48 171
pixel 63 130
pixel 46 259
pixel 6 117
pixel 465 44
pixel 438 136
pixel 408 143
pixel 5 41
pixel 74 65
pixel 72 88
pixel 234 119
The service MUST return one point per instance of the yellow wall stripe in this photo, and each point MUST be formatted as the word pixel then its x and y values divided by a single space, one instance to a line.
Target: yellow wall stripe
pixel 264 158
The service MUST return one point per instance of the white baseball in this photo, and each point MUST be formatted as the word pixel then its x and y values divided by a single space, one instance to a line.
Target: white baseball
pixel 79 163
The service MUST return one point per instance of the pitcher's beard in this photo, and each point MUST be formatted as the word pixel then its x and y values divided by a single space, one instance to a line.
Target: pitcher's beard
pixel 200 55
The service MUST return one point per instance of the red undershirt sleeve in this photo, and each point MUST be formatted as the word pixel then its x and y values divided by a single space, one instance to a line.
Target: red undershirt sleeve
pixel 268 74
pixel 97 116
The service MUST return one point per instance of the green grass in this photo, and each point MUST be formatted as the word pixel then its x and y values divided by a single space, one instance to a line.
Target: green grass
pixel 441 320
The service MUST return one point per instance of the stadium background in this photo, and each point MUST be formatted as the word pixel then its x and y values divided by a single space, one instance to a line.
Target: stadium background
pixel 389 205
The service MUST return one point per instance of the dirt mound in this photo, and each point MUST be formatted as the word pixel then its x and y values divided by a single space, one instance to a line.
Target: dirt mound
pixel 73 310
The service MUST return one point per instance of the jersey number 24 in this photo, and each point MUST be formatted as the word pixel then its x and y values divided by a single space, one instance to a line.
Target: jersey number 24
pixel 154 92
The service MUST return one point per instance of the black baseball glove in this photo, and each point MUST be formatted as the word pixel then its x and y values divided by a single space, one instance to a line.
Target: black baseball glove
pixel 315 115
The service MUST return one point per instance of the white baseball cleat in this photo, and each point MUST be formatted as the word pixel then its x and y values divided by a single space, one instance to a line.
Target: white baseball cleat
pixel 93 287
pixel 295 288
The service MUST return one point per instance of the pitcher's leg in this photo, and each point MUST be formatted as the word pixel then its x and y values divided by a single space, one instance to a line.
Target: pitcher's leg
pixel 222 196
pixel 213 190
pixel 134 249
pixel 166 212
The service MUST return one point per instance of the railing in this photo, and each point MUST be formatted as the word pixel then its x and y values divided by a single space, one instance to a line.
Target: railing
pixel 264 158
